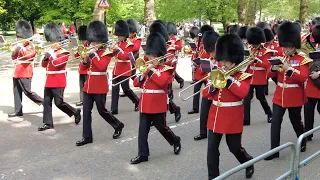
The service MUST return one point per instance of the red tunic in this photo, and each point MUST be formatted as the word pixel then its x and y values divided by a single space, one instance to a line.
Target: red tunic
pixel 312 90
pixel 56 68
pixel 23 61
pixel 123 63
pixel 228 117
pixel 136 43
pixel 174 46
pixel 290 91
pixel 154 98
pixel 198 75
pixel 97 80
pixel 274 45
pixel 259 69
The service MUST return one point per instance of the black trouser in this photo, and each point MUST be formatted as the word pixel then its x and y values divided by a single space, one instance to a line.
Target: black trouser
pixel 277 117
pixel 126 89
pixel 23 85
pixel 275 80
pixel 260 96
pixel 133 73
pixel 205 108
pixel 57 95
pixel 170 91
pixel 309 113
pixel 82 80
pixel 159 121
pixel 100 99
pixel 173 108
pixel 235 147
pixel 177 77
pixel 196 98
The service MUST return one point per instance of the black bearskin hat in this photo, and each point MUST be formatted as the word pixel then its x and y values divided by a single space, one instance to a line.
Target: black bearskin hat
pixel 269 35
pixel 133 25
pixel 161 22
pixel 316 20
pixel 194 31
pixel 23 29
pixel 255 35
pixel 172 28
pixel 159 28
pixel 156 45
pixel 233 29
pixel 82 33
pixel 275 29
pixel 205 28
pixel 53 32
pixel 263 25
pixel 97 32
pixel 209 39
pixel 242 32
pixel 289 35
pixel 121 28
pixel 316 33
pixel 229 47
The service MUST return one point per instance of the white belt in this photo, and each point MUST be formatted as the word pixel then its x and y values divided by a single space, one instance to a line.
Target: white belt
pixel 96 73
pixel 151 91
pixel 257 68
pixel 23 62
pixel 56 72
pixel 227 104
pixel 288 85
pixel 123 61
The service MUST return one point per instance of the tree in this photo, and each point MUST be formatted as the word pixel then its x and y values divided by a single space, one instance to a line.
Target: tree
pixel 251 12
pixel 241 11
pixel 149 14
pixel 303 12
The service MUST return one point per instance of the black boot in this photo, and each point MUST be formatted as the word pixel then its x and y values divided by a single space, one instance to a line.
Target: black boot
pixel 45 127
pixel 114 112
pixel 118 131
pixel 79 103
pixel 269 118
pixel 193 111
pixel 276 155
pixel 77 116
pixel 16 114
pixel 199 137
pixel 177 115
pixel 139 159
pixel 177 146
pixel 249 171
pixel 84 141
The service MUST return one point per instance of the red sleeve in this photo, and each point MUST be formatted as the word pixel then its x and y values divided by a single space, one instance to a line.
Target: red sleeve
pixel 240 88
pixel 205 92
pixel 279 51
pixel 265 63
pixel 101 63
pixel 271 74
pixel 137 45
pixel 25 54
pixel 123 55
pixel 44 63
pixel 178 45
pixel 136 82
pixel 302 75
pixel 61 59
pixel 84 67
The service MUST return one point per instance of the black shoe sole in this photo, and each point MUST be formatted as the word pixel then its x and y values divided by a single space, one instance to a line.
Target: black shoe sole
pixel 84 143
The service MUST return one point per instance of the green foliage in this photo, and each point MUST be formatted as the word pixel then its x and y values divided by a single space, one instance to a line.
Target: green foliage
pixel 124 9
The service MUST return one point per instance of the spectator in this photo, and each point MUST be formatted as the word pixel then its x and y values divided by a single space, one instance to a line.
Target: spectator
pixel 72 30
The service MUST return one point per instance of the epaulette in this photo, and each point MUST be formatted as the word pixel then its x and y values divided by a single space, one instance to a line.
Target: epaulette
pixel 106 52
pixel 306 59
pixel 244 76
pixel 166 68
pixel 269 51
pixel 129 43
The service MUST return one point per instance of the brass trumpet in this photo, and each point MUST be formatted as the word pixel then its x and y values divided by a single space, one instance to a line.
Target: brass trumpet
pixel 141 66
pixel 82 50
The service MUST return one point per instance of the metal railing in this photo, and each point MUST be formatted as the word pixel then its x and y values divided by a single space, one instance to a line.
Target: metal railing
pixel 302 164
pixel 263 156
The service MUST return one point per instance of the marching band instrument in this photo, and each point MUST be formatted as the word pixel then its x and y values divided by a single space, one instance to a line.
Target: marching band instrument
pixel 141 66
pixel 82 50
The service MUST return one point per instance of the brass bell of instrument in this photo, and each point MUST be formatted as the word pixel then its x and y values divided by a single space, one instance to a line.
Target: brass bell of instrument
pixel 187 49
pixel 141 65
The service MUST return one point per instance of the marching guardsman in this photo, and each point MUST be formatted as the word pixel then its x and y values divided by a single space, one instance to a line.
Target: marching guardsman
pixel 274 29
pixel 174 46
pixel 242 34
pixel 226 111
pixel 199 75
pixel 123 64
pixel 258 69
pixel 312 91
pixel 154 97
pixel 23 56
pixel 55 61
pixel 82 34
pixel 291 77
pixel 278 51
pixel 133 29
pixel 194 32
pixel 96 87
pixel 158 27
pixel 209 41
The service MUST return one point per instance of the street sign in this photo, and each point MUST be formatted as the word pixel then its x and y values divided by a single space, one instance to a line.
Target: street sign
pixel 104 4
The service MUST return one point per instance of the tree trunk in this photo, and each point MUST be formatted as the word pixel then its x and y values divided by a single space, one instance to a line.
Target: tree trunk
pixel 32 24
pixel 98 13
pixel 251 12
pixel 149 14
pixel 241 11
pixel 303 12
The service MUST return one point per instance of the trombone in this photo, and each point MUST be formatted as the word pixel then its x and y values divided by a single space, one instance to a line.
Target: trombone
pixel 185 99
pixel 141 66
pixel 7 46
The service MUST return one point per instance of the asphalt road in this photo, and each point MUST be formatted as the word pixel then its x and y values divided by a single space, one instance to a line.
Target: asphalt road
pixel 27 154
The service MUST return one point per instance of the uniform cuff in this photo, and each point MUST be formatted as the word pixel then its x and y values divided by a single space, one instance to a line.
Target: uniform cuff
pixel 229 83
pixel 289 73
pixel 150 73
pixel 211 89
pixel 141 79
